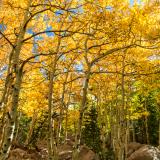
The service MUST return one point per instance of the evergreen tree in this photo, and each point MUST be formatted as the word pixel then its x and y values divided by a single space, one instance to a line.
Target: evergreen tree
pixel 153 119
pixel 91 131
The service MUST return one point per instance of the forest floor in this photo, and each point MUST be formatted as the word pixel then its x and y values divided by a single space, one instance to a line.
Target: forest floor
pixel 136 151
pixel 41 153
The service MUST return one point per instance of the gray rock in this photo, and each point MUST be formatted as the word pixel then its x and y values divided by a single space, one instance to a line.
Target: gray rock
pixel 143 152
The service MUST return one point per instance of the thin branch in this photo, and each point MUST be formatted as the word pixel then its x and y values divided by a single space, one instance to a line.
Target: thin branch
pixel 7 39
pixel 149 47
pixel 54 31
pixel 110 52
pixel 34 56
pixel 126 74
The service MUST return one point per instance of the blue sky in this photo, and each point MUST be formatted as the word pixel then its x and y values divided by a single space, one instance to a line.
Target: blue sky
pixel 132 2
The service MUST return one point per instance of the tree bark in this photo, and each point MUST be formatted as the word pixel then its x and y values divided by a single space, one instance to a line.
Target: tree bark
pixel 16 127
pixel 61 110
pixel 17 72
pixel 146 125
pixel 31 128
pixel 52 148
pixel 51 142
pixel 67 106
pixel 81 112
pixel 159 134
pixel 4 100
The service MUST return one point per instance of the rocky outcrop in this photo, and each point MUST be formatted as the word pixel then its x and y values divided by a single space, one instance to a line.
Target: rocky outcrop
pixel 65 153
pixel 20 154
pixel 137 151
pixel 64 150
pixel 87 154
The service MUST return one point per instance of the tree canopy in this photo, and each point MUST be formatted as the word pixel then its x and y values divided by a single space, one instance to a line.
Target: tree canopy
pixel 60 57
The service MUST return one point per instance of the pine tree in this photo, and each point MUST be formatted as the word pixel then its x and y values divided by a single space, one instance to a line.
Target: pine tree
pixel 91 131
pixel 153 118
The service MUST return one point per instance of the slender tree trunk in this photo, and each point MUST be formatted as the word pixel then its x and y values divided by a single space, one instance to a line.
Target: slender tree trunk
pixel 8 83
pixel 52 149
pixel 159 134
pixel 112 124
pixel 68 103
pixel 50 128
pixel 127 135
pixel 4 120
pixel 17 71
pixel 130 126
pixel 61 110
pixel 66 125
pixel 121 137
pixel 81 112
pixel 29 135
pixel 123 113
pixel 12 119
pixel 16 127
pixel 146 130
pixel 146 125
pixel 66 121
pixel 116 125
pixel 51 142
pixel 4 100
pixel 133 132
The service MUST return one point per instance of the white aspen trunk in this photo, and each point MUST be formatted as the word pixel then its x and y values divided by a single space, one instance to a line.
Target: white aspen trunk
pixel 50 110
pixel 12 119
pixel 61 111
pixel 66 120
pixel 4 100
pixel 50 131
pixel 66 125
pixel 81 112
pixel 123 113
pixel 121 139
pixel 52 148
pixel 16 127
pixel 16 90
pixel 116 128
pixel 8 82
pixel 4 120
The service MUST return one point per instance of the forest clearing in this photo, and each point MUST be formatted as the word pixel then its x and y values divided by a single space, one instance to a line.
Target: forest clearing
pixel 79 80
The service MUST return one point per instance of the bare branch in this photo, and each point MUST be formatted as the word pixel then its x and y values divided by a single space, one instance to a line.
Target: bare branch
pixel 7 39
